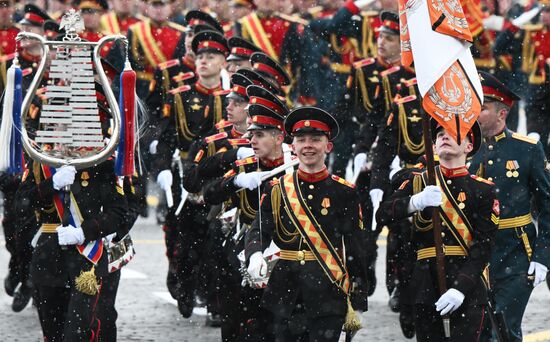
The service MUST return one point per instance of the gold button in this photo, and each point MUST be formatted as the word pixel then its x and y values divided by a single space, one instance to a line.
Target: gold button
pixel 449 181
pixel 311 186
pixel 442 234
pixel 490 179
pixel 490 147
pixel 309 196
pixel 490 162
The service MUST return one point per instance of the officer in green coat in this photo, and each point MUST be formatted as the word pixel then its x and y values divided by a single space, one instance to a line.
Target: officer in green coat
pixel 521 173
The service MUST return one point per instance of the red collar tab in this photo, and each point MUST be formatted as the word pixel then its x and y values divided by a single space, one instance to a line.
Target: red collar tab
pixel 456 172
pixel 208 91
pixel 273 163
pixel 313 177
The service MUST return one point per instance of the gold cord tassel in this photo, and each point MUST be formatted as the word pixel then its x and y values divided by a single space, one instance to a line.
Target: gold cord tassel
pixel 353 323
pixel 86 282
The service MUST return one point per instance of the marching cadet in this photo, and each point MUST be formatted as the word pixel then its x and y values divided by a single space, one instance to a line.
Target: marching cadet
pixel 469 214
pixel 520 171
pixel 242 316
pixel 400 137
pixel 8 32
pixel 20 227
pixel 153 41
pixel 315 220
pixel 120 18
pixel 68 279
pixel 279 38
pixel 239 54
pixel 181 115
pixel 91 12
pixel 528 45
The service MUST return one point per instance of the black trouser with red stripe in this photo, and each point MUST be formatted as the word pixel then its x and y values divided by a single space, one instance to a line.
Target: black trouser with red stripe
pixel 467 323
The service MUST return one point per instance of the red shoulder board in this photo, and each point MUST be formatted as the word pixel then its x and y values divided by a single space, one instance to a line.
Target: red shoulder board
pixel 246 161
pixel 390 119
pixel 343 181
pixel 405 99
pixel 26 71
pixel 8 57
pixel 222 92
pixel 199 156
pixel 181 89
pixel 496 207
pixel 229 173
pixel 363 62
pixel 222 124
pixel 410 82
pixel 168 64
pixel 239 142
pixel 483 180
pixel 390 71
pixel 215 137
pixel 182 76
pixel 403 185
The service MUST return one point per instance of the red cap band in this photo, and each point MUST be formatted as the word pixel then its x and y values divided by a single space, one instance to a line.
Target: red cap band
pixel 34 18
pixel 311 123
pixel 267 103
pixel 497 95
pixel 391 25
pixel 210 44
pixel 269 70
pixel 267 120
pixel 241 51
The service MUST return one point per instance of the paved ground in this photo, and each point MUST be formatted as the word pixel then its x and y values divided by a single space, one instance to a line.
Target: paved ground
pixel 147 313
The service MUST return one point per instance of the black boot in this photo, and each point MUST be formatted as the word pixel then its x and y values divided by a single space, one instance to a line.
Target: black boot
pixel 406 321
pixel 10 283
pixel 21 298
pixel 394 300
pixel 185 305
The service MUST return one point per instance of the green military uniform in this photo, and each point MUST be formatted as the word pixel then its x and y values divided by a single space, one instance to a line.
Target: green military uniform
pixel 520 171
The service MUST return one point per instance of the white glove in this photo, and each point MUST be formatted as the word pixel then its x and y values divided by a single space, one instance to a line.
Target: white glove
pixel 363 3
pixel 164 179
pixel 153 147
pixel 257 267
pixel 539 271
pixel 250 180
pixel 244 152
pixel 359 162
pixel 70 235
pixel 493 22
pixel 429 197
pixel 376 196
pixel 449 301
pixel 63 176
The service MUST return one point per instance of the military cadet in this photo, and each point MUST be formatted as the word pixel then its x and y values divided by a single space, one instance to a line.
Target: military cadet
pixel 400 136
pixel 19 227
pixel 181 115
pixel 300 212
pixel 518 167
pixel 240 51
pixel 120 18
pixel 240 8
pixel 469 214
pixel 91 12
pixel 153 41
pixel 528 46
pixel 8 32
pixel 67 298
pixel 242 317
pixel 279 38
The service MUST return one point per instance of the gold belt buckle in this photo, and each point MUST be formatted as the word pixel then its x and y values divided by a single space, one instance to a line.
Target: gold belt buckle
pixel 301 256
